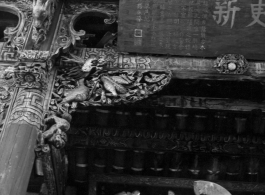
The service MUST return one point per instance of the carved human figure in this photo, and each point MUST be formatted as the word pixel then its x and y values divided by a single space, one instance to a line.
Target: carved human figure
pixel 56 133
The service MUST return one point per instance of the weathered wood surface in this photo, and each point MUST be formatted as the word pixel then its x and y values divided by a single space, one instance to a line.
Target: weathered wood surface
pixel 205 28
pixel 17 158
pixel 18 141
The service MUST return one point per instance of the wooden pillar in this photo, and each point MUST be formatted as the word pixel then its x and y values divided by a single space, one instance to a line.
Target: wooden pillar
pixel 18 141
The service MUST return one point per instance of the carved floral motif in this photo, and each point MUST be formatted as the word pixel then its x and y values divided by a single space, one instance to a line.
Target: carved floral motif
pixel 231 64
pixel 31 75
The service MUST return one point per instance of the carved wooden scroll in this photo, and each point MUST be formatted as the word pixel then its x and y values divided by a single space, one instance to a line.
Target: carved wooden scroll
pixel 16 37
pixel 67 35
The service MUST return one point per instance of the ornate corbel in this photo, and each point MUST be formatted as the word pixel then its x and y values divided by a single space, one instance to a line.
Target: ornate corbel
pixel 16 36
pixel 31 75
pixel 231 64
pixel 90 83
pixel 66 34
pixel 42 12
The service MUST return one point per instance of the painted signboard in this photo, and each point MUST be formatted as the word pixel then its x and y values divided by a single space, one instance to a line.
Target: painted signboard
pixel 204 28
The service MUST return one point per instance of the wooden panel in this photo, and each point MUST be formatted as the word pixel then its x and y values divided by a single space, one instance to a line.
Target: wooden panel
pixel 193 27
pixel 177 141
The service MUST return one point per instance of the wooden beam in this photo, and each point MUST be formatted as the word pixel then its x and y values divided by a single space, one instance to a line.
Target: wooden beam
pixel 209 103
pixel 181 67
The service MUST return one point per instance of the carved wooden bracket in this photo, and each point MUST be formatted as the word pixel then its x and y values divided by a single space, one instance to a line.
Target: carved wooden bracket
pixel 31 75
pixel 66 34
pixel 231 64
pixel 103 87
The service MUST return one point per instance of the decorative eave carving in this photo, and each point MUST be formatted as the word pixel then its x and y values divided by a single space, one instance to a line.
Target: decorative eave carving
pixel 91 83
pixel 231 64
pixel 42 12
pixel 66 34
pixel 16 37
pixel 31 75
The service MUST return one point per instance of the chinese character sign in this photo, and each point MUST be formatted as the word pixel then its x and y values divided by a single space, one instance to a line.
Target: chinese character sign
pixel 225 11
pixel 206 28
pixel 257 11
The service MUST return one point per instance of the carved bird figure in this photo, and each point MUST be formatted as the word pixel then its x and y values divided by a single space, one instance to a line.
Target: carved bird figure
pixel 209 188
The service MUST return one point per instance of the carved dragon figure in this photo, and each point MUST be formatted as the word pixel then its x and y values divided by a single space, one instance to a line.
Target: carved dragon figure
pixel 42 14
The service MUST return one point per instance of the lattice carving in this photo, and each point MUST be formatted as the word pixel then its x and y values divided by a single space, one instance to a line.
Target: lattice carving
pixel 28 108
